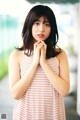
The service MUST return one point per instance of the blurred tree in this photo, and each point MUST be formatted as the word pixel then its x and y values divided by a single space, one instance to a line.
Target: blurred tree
pixel 8 22
pixel 54 1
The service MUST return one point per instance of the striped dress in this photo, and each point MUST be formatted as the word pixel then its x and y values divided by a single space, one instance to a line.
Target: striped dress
pixel 41 101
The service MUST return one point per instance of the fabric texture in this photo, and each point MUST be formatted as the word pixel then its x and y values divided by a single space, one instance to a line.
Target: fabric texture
pixel 41 101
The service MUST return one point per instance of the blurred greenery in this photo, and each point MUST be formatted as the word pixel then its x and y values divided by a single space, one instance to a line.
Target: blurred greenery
pixel 4 64
pixel 54 1
pixel 7 21
pixel 9 27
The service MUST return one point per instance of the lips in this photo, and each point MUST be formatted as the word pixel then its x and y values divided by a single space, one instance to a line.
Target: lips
pixel 40 35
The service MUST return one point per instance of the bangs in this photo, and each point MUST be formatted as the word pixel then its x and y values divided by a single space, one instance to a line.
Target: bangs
pixel 38 14
pixel 37 18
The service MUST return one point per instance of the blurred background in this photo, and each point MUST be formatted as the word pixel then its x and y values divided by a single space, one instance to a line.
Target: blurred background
pixel 12 16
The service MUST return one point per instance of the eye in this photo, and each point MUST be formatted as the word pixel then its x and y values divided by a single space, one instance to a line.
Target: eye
pixel 47 24
pixel 36 23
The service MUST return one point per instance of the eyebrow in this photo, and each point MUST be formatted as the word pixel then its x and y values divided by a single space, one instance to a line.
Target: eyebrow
pixel 43 21
pixel 46 20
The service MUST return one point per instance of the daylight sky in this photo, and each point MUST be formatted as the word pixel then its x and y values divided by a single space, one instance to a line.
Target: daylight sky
pixel 18 8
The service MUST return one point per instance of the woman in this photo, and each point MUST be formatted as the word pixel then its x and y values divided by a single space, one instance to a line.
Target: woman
pixel 39 71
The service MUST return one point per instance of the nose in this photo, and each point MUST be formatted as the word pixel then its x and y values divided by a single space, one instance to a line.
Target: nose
pixel 41 27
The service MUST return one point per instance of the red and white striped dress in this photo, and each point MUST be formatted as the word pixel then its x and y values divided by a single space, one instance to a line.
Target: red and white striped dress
pixel 41 101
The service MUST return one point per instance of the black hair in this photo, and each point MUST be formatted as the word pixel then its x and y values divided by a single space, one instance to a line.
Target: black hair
pixel 34 14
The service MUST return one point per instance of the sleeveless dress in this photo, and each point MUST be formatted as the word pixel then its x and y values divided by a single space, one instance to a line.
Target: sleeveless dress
pixel 41 101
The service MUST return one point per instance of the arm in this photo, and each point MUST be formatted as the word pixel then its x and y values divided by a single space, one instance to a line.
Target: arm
pixel 18 86
pixel 61 83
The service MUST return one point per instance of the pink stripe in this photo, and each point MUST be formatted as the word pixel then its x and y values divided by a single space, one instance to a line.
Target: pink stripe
pixel 41 101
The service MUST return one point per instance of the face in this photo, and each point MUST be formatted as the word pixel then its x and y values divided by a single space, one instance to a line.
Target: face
pixel 41 29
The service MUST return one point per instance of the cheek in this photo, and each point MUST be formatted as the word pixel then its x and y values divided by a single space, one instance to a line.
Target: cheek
pixel 32 31
pixel 49 31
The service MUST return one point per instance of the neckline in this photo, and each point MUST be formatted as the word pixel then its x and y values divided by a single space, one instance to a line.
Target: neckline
pixel 46 59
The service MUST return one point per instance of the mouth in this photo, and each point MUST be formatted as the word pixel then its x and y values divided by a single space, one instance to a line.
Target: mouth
pixel 40 35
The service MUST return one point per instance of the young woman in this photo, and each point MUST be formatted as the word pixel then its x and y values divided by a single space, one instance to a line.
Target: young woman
pixel 39 70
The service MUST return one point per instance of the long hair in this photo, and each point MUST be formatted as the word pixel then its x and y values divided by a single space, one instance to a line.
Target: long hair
pixel 34 14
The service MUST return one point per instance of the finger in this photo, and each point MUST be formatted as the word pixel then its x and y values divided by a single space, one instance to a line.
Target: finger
pixel 40 46
pixel 35 45
pixel 38 42
pixel 44 45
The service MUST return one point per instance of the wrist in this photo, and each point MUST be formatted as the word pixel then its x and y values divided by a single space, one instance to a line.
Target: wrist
pixel 43 63
pixel 34 64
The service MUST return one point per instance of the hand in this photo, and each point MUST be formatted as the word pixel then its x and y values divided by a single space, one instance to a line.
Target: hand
pixel 37 50
pixel 43 53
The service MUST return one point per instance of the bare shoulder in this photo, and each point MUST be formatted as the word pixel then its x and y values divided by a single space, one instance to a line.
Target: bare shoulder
pixel 16 55
pixel 62 56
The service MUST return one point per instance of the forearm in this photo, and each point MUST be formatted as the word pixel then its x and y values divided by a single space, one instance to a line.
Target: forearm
pixel 61 85
pixel 23 84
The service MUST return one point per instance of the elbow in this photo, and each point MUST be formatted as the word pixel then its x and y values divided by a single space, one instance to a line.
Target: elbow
pixel 66 91
pixel 15 95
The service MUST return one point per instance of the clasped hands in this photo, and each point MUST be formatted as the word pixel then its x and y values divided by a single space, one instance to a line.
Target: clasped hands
pixel 39 53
